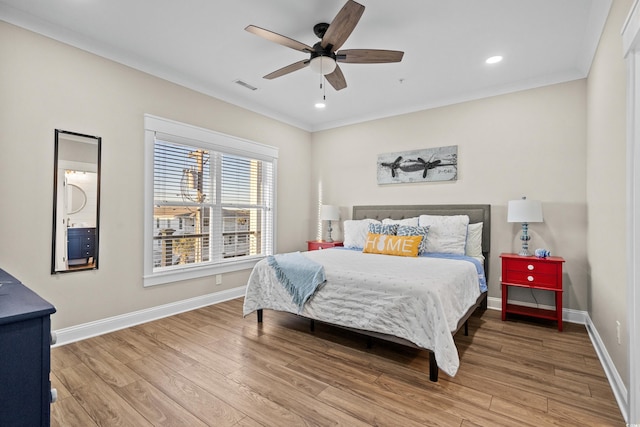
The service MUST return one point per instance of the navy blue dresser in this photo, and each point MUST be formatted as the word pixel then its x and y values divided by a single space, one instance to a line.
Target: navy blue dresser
pixel 25 355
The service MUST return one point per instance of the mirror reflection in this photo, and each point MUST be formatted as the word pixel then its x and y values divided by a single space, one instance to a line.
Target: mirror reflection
pixel 76 192
pixel 77 199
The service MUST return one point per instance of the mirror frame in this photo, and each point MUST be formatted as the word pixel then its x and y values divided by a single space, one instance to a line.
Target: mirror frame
pixel 59 133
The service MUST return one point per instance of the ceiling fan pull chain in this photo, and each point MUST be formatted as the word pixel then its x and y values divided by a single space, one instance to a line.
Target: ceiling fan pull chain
pixel 324 89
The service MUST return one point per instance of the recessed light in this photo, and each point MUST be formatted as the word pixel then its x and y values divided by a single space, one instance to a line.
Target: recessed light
pixel 494 59
pixel 320 105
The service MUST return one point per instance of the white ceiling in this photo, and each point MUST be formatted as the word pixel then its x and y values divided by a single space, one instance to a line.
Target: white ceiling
pixel 201 44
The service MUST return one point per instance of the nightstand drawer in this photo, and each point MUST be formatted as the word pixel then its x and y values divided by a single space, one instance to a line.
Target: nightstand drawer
pixel 531 266
pixel 532 278
pixel 314 245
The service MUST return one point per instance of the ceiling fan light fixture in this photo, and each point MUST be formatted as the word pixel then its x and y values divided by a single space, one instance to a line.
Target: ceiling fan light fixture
pixel 323 55
pixel 323 65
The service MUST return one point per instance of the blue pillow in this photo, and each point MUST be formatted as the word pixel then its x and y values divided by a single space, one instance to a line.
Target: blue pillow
pixel 388 229
pixel 409 230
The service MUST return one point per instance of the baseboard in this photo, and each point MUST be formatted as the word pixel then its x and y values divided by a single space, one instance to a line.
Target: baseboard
pixel 583 318
pixel 617 385
pixel 494 303
pixel 103 326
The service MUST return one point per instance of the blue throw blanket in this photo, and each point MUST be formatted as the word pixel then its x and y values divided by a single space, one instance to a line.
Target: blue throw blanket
pixel 298 274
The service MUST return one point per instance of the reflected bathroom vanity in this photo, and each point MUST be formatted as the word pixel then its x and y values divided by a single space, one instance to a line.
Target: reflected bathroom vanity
pixel 76 210
pixel 81 243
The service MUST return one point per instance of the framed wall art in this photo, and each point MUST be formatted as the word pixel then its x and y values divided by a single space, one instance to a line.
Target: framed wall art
pixel 426 165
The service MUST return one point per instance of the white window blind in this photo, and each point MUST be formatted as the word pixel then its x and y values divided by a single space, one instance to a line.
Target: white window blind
pixel 212 207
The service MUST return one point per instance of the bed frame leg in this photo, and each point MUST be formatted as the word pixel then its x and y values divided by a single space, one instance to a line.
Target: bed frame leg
pixel 312 325
pixel 466 328
pixel 433 367
pixel 259 312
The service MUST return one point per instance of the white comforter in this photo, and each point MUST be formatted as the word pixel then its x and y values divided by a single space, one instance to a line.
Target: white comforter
pixel 419 299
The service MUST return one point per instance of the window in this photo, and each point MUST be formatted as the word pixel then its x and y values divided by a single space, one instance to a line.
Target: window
pixel 209 202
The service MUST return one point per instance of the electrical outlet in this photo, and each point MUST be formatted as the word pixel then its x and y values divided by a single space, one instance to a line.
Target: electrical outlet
pixel 218 279
pixel 618 332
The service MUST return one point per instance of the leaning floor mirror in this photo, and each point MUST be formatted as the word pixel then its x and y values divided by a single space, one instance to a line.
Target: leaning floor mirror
pixel 76 202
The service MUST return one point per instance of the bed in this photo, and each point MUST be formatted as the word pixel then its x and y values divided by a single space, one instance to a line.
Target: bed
pixel 418 301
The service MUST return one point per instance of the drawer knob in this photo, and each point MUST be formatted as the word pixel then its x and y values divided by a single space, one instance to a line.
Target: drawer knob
pixel 54 337
pixel 530 278
pixel 54 395
pixel 530 267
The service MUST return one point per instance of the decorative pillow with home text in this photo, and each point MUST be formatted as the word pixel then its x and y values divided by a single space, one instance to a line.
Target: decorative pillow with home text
pixel 392 245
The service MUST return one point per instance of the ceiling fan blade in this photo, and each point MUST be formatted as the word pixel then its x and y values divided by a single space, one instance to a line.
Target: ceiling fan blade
pixel 288 69
pixel 280 39
pixel 368 56
pixel 337 79
pixel 342 25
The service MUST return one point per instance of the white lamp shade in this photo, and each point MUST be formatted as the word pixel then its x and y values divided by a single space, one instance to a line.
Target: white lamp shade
pixel 524 210
pixel 323 65
pixel 329 213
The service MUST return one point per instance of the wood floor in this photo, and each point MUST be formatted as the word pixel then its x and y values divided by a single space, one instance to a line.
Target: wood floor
pixel 214 367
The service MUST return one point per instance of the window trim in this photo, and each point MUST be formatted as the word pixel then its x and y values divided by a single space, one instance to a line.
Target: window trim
pixel 181 132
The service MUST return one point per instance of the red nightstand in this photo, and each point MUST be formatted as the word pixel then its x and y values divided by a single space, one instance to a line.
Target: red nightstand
pixel 314 245
pixel 535 273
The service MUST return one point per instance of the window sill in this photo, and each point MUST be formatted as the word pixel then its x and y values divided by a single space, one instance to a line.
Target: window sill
pixel 188 273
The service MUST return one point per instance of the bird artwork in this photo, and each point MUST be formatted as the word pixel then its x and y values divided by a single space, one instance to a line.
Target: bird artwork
pixel 411 166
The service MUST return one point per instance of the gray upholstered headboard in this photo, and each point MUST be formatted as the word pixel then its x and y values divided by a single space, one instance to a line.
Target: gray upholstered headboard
pixel 476 213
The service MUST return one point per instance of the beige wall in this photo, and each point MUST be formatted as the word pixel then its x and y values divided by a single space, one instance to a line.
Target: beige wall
pixel 606 189
pixel 529 143
pixel 46 85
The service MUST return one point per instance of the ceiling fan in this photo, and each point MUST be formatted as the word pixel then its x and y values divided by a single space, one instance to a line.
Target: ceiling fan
pixel 324 55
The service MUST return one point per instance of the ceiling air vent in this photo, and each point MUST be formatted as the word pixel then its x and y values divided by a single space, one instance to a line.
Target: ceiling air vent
pixel 245 84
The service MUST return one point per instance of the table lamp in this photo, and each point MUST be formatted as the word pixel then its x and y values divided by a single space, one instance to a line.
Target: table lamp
pixel 524 211
pixel 329 213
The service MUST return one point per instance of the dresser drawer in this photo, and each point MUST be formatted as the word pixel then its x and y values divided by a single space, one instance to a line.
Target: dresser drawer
pixel 89 232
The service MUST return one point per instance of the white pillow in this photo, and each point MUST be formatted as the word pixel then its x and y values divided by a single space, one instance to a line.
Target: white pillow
pixel 447 234
pixel 355 232
pixel 412 222
pixel 474 240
